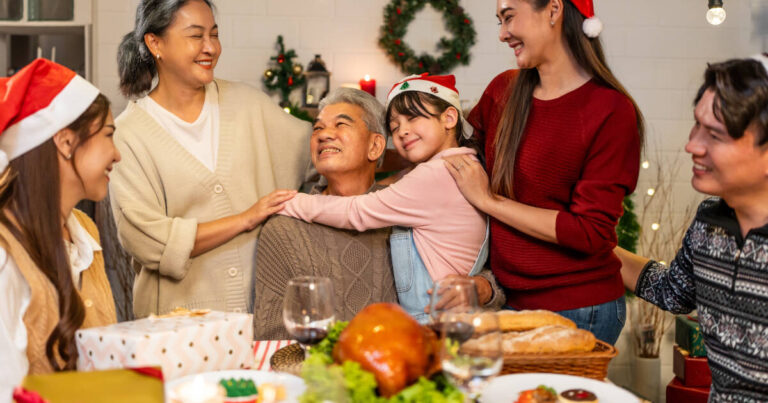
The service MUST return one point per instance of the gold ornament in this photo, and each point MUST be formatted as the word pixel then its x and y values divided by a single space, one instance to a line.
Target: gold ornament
pixel 297 69
pixel 269 73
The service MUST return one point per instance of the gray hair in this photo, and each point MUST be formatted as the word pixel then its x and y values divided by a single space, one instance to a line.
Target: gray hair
pixel 373 110
pixel 136 65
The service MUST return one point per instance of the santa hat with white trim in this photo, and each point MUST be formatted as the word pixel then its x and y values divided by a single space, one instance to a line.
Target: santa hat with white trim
pixel 592 25
pixel 37 102
pixel 443 87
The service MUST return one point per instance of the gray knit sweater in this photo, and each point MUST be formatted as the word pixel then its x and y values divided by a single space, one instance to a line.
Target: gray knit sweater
pixel 358 264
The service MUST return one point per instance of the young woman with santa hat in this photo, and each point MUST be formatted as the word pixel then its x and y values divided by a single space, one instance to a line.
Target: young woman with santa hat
pixel 55 150
pixel 562 139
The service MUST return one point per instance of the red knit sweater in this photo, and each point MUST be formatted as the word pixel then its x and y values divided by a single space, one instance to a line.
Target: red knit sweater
pixel 580 155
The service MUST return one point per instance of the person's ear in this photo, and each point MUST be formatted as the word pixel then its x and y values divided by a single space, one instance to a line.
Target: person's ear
pixel 450 118
pixel 65 140
pixel 376 146
pixel 153 44
pixel 555 11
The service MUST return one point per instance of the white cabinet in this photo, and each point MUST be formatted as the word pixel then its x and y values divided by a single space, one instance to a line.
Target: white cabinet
pixel 67 37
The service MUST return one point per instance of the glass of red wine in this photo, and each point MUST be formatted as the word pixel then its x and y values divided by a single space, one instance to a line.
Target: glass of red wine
pixel 308 309
pixel 454 294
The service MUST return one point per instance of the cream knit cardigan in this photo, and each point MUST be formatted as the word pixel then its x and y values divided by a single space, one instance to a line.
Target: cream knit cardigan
pixel 160 192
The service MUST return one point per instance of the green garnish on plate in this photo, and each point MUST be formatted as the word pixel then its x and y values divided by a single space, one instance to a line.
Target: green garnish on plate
pixel 239 387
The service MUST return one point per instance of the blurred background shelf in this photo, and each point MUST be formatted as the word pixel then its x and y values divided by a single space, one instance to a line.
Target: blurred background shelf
pixel 53 29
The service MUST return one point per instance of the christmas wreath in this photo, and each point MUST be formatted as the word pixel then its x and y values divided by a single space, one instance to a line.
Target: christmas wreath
pixel 400 13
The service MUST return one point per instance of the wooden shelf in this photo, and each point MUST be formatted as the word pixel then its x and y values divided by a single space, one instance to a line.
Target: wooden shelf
pixel 42 28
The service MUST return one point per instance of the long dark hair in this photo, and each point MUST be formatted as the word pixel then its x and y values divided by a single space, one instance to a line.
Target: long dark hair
pixel 135 63
pixel 741 96
pixel 588 53
pixel 30 191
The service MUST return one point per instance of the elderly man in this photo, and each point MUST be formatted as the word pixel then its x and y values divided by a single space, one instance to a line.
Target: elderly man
pixel 347 142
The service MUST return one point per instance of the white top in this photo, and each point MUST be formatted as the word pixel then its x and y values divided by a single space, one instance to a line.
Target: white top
pixel 15 298
pixel 201 137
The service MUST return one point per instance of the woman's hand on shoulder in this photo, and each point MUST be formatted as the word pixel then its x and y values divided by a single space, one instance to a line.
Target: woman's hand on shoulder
pixel 471 178
pixel 266 206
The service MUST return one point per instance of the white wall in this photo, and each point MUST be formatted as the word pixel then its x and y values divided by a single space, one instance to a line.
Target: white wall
pixel 657 48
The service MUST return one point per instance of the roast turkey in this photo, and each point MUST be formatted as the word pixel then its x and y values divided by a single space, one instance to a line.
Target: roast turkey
pixel 388 342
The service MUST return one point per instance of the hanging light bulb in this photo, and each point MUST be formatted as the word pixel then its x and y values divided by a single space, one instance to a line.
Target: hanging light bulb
pixel 651 191
pixel 655 226
pixel 716 12
pixel 645 164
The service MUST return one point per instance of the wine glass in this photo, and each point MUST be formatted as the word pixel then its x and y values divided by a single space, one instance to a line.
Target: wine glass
pixel 308 310
pixel 471 353
pixel 457 294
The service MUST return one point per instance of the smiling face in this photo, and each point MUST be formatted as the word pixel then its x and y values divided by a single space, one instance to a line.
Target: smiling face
pixel 527 30
pixel 724 166
pixel 342 143
pixel 94 159
pixel 189 48
pixel 419 138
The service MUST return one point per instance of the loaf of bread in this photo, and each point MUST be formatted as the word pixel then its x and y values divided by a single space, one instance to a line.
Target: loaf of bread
pixel 516 321
pixel 547 340
pixel 542 340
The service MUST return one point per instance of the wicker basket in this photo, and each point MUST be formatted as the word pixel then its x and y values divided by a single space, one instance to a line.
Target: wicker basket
pixel 593 364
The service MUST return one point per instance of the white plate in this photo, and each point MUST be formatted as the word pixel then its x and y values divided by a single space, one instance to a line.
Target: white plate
pixel 294 386
pixel 506 388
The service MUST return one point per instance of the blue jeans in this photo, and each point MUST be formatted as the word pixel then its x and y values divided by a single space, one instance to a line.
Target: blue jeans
pixel 605 321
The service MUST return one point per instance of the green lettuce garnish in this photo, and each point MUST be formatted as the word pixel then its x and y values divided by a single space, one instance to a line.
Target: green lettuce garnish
pixel 349 383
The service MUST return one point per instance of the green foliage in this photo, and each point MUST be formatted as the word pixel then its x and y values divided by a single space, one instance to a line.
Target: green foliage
pixel 283 74
pixel 628 230
pixel 398 14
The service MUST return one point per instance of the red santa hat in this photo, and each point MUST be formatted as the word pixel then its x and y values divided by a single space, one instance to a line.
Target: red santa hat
pixel 443 87
pixel 592 25
pixel 37 102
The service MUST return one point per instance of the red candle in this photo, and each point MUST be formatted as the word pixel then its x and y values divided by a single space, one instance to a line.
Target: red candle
pixel 368 85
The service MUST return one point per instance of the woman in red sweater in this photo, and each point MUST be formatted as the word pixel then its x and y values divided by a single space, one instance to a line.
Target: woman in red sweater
pixel 562 140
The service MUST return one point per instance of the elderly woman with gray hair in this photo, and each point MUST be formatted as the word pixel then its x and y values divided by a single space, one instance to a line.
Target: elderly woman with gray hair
pixel 202 161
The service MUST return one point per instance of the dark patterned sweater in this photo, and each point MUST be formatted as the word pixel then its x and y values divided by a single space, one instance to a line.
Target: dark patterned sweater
pixel 725 277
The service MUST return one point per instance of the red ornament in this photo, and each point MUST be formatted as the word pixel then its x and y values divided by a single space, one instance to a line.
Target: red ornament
pixel 421 65
pixel 398 11
pixel 458 56
pixel 401 54
pixel 466 20
pixel 290 81
pixel 281 59
pixel 397 42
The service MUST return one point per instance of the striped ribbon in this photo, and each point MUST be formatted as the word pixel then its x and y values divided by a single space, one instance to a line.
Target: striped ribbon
pixel 263 350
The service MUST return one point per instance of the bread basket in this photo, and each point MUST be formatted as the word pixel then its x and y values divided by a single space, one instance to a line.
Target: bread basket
pixel 593 364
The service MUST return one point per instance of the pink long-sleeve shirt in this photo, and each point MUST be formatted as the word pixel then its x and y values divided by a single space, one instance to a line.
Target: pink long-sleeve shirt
pixel 447 230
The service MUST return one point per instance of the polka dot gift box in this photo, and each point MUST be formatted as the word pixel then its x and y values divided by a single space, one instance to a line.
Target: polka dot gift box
pixel 183 342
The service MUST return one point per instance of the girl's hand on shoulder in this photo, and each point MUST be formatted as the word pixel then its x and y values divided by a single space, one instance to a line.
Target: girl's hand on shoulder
pixel 266 206
pixel 471 178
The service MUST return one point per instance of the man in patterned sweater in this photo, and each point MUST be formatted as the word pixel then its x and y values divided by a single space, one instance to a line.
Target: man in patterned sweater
pixel 346 143
pixel 722 268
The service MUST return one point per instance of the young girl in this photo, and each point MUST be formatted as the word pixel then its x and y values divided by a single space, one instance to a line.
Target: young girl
pixel 56 131
pixel 445 235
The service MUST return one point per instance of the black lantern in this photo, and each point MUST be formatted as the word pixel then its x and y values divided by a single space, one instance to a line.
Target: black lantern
pixel 318 82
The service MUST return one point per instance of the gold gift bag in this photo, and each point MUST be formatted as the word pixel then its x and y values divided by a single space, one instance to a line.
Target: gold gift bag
pixel 113 386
